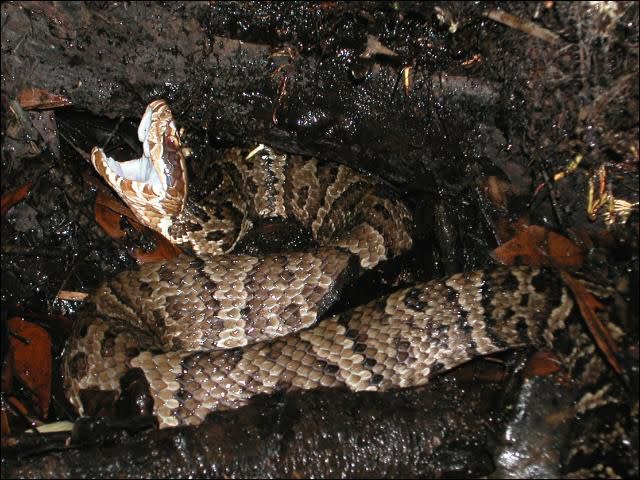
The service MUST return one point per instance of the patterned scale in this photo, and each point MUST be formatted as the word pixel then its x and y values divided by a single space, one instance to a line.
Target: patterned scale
pixel 211 330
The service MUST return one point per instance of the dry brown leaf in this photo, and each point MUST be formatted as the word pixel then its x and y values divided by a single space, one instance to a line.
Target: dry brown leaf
pixel 6 429
pixel 588 306
pixel 108 211
pixel 41 99
pixel 564 252
pixel 32 361
pixel 14 196
pixel 541 364
pixel 536 246
pixel 109 221
pixel 115 205
pixel 496 190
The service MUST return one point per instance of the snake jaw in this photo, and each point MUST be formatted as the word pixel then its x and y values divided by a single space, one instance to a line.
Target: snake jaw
pixel 154 186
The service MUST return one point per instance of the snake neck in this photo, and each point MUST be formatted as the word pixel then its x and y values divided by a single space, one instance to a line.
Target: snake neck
pixel 201 229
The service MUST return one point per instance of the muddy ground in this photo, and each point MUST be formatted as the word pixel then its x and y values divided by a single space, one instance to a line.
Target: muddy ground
pixel 481 126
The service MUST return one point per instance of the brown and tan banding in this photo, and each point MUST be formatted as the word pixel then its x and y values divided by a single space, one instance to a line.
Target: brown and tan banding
pixel 397 341
pixel 211 330
pixel 338 206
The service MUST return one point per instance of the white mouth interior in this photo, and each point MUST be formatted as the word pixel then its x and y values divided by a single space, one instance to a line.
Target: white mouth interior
pixel 143 128
pixel 140 169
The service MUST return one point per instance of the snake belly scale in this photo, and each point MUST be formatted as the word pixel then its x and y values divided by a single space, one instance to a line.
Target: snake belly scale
pixel 209 330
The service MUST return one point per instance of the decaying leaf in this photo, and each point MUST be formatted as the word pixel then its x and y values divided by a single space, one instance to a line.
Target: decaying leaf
pixel 108 212
pixel 116 206
pixel 30 350
pixel 14 196
pixel 588 306
pixel 41 99
pixel 541 364
pixel 536 246
pixel 109 221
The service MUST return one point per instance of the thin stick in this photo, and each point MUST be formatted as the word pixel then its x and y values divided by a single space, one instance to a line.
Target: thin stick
pixel 523 25
pixel 71 295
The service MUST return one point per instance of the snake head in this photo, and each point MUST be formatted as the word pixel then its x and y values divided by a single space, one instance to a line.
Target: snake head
pixel 154 186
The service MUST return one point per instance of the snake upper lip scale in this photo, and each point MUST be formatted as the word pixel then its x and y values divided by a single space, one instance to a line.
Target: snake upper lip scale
pixel 210 330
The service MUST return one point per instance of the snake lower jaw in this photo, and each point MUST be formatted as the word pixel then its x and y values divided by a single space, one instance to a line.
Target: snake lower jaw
pixel 139 170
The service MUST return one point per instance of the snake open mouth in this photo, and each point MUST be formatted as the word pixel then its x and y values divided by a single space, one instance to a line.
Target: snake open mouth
pixel 141 169
pixel 154 186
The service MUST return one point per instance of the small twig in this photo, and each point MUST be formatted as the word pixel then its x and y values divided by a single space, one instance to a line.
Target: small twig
pixel 444 84
pixel 103 18
pixel 523 25
pixel 16 407
pixel 552 195
pixel 82 153
pixel 115 129
pixel 15 49
pixel 71 295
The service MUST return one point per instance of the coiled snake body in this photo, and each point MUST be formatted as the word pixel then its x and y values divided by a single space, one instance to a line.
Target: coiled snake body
pixel 210 330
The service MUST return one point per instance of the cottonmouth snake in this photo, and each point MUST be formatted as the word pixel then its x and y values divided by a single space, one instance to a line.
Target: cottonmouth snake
pixel 211 329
